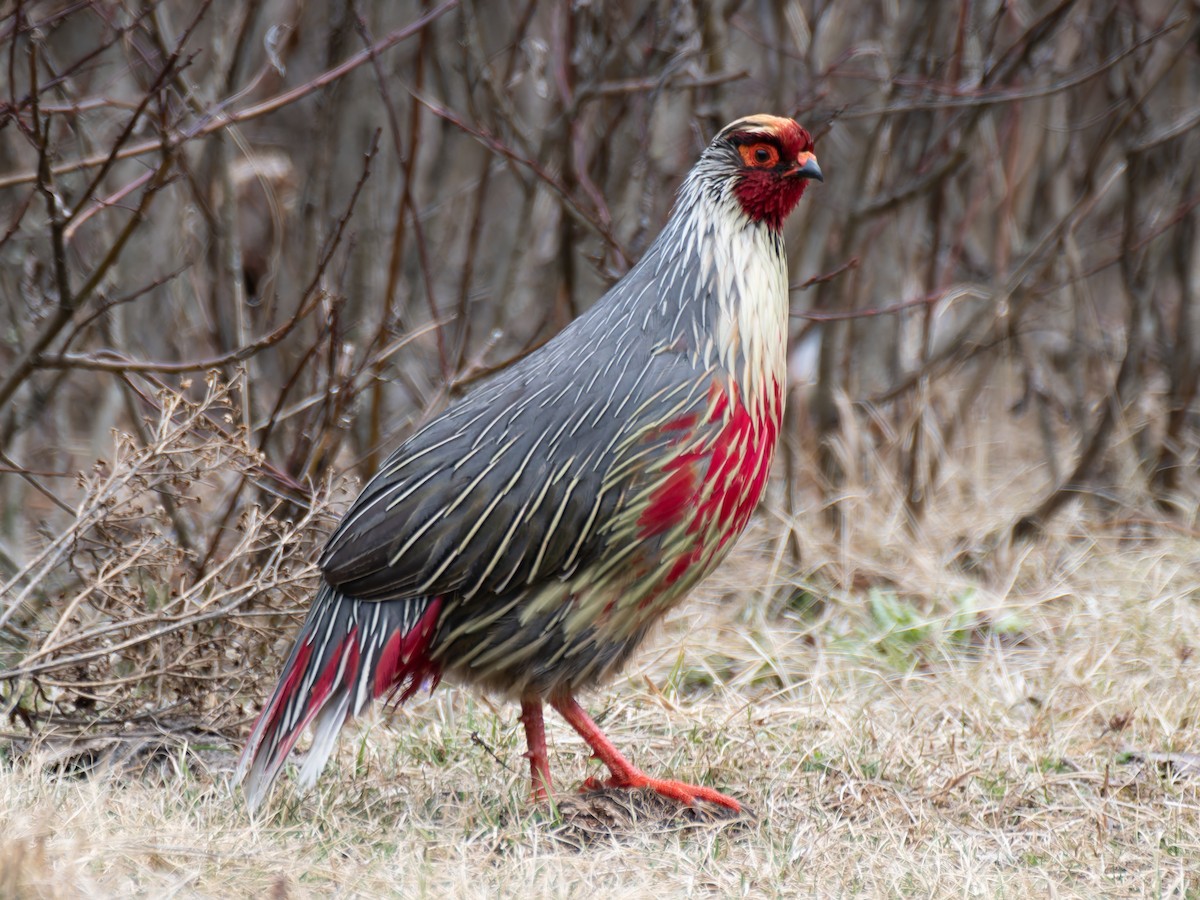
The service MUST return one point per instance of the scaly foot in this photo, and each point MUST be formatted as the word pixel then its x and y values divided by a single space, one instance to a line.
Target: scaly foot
pixel 624 773
pixel 664 787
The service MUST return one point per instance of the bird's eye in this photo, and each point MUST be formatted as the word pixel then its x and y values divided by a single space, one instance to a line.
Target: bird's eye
pixel 761 156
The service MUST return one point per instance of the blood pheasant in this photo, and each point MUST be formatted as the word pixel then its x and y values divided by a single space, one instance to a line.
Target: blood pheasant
pixel 527 538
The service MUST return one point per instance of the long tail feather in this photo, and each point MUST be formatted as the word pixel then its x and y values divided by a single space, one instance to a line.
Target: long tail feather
pixel 348 653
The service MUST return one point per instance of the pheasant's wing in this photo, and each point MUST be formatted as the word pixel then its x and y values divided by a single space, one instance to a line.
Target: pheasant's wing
pixel 528 478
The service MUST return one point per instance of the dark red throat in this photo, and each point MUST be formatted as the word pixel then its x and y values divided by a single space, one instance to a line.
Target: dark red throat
pixel 769 196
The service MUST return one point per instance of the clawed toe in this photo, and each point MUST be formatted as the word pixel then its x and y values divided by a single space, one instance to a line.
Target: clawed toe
pixel 624 773
pixel 679 791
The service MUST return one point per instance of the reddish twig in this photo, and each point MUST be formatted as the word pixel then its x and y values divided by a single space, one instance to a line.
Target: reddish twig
pixel 219 119
pixel 496 145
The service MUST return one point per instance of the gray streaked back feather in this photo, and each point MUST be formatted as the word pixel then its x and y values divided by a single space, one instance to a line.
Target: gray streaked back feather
pixel 507 486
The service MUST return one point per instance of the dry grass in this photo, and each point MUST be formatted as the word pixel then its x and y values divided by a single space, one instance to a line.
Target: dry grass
pixel 896 736
pixel 114 620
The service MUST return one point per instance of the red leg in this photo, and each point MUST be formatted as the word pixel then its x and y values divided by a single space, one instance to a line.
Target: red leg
pixel 624 773
pixel 535 737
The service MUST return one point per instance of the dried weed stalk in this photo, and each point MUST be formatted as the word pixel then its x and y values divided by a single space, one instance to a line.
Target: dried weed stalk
pixel 107 624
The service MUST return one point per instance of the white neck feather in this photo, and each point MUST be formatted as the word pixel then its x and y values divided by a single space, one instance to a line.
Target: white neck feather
pixel 746 268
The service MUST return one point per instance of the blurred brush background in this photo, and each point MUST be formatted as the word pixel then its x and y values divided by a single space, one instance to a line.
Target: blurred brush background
pixel 246 247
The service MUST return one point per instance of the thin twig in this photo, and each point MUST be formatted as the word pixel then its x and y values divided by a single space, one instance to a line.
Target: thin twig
pixel 219 119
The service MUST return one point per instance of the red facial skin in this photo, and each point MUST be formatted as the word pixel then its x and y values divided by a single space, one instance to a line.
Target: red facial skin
pixel 769 191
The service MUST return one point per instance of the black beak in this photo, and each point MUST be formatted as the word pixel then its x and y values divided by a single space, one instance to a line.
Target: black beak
pixel 807 167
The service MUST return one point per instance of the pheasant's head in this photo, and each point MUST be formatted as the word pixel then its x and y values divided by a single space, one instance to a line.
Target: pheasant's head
pixel 769 160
